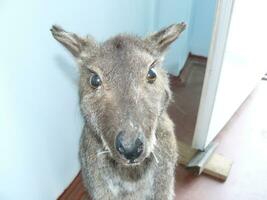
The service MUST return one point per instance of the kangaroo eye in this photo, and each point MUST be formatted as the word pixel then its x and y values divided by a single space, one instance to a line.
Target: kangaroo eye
pixel 95 81
pixel 151 75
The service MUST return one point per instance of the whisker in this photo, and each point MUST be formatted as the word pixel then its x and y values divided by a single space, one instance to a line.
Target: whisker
pixel 102 152
pixel 156 159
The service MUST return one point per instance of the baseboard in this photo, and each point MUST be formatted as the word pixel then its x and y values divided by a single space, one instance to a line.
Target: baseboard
pixel 198 57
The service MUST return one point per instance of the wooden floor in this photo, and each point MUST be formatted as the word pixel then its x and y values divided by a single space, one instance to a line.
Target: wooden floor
pixel 186 96
pixel 243 139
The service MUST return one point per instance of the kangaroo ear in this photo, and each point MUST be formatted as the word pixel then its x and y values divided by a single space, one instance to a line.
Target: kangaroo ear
pixel 71 41
pixel 162 39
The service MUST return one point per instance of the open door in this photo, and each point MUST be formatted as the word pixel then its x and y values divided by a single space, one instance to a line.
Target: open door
pixel 232 69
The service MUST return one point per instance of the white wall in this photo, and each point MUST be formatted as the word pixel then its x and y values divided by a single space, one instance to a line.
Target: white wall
pixel 40 124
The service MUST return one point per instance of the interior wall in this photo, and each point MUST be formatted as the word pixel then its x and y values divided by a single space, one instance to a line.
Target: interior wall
pixel 168 12
pixel 203 13
pixel 40 124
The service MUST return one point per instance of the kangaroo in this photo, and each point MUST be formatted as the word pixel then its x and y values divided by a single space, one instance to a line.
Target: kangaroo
pixel 128 149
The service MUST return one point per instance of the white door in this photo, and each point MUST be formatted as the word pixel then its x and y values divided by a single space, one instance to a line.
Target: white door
pixel 234 69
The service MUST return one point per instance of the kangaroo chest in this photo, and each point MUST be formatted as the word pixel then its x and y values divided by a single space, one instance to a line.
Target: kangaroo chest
pixel 131 183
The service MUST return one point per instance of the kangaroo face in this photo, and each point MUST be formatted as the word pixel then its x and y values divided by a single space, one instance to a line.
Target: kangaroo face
pixel 123 92
pixel 123 89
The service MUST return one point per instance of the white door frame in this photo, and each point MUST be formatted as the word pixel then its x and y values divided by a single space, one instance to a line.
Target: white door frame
pixel 213 71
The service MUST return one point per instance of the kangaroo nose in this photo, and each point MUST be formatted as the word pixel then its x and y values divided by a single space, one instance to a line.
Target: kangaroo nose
pixel 130 150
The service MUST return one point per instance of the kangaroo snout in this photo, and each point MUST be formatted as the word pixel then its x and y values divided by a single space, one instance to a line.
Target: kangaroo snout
pixel 130 148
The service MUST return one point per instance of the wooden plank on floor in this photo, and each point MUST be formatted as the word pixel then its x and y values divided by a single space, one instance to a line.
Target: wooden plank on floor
pixel 218 166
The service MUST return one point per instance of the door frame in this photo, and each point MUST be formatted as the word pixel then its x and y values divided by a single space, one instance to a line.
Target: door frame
pixel 221 25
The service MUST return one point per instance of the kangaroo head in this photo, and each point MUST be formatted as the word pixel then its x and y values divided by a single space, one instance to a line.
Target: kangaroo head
pixel 123 88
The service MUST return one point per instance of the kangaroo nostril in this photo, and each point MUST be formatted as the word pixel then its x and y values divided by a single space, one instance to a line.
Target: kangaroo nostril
pixel 121 149
pixel 138 142
pixel 140 149
pixel 119 146
pixel 139 145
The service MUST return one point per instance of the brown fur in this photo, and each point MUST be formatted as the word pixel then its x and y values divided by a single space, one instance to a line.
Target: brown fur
pixel 125 101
